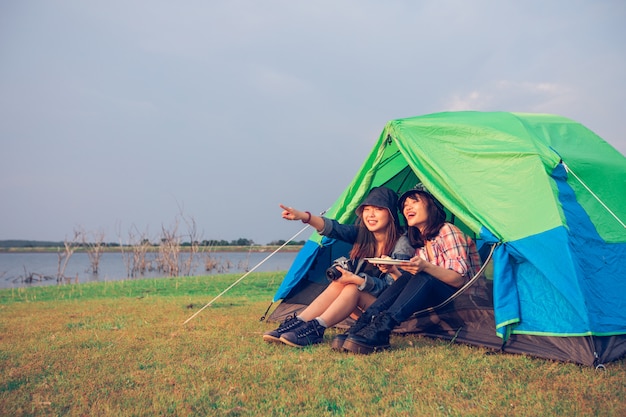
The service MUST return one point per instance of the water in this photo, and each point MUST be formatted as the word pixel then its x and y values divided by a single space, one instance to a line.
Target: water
pixel 17 269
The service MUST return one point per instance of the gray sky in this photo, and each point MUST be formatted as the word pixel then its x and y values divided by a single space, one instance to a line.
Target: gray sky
pixel 125 115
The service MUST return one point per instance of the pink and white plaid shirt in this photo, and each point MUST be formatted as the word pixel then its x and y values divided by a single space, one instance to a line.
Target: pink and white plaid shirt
pixel 453 249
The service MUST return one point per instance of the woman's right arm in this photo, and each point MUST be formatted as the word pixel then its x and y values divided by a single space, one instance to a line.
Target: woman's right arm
pixel 291 213
pixel 325 227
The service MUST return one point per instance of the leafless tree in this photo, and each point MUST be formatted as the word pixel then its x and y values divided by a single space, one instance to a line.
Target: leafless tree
pixel 245 264
pixel 125 255
pixel 169 259
pixel 141 263
pixel 210 263
pixel 169 250
pixel 94 243
pixel 192 232
pixel 30 277
pixel 64 257
pixel 134 252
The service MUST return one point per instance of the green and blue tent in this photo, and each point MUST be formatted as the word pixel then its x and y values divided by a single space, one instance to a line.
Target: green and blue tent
pixel 543 193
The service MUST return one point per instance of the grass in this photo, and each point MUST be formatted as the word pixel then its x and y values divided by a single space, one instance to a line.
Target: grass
pixel 119 348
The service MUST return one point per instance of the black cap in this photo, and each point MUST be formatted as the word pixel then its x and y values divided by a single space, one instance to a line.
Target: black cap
pixel 381 197
pixel 419 189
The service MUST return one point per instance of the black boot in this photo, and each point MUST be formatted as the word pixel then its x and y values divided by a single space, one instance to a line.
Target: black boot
pixel 363 320
pixel 373 337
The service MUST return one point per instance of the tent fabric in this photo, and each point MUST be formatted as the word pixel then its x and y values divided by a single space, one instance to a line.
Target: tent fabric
pixel 545 189
pixel 302 263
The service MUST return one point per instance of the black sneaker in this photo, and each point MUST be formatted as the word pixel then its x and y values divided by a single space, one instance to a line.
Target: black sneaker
pixel 290 324
pixel 310 333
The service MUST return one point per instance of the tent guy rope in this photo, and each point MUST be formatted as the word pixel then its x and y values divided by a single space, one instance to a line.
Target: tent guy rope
pixel 246 274
pixel 594 195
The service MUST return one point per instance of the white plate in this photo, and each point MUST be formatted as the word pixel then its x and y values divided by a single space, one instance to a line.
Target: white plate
pixel 385 261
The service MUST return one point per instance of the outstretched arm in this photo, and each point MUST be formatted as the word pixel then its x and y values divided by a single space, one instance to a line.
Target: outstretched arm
pixel 290 213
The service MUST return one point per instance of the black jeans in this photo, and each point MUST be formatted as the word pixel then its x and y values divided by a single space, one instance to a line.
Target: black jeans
pixel 411 293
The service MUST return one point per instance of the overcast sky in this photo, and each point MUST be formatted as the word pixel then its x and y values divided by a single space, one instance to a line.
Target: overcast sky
pixel 128 115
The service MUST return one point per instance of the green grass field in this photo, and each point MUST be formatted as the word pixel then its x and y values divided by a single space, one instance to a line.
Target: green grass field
pixel 120 349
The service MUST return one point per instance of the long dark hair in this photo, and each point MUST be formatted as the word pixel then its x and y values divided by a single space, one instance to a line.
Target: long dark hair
pixel 365 245
pixel 436 219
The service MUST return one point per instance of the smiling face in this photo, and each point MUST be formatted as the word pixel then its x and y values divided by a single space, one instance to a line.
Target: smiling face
pixel 415 210
pixel 376 219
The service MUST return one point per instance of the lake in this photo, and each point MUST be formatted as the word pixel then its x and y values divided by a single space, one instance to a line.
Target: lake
pixel 35 269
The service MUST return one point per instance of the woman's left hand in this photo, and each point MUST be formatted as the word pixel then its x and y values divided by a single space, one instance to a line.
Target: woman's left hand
pixel 415 265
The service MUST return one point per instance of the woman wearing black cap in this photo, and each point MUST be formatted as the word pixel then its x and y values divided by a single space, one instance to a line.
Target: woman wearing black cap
pixel 376 233
pixel 445 259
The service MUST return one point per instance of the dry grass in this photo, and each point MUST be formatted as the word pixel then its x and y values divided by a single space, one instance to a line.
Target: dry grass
pixel 130 355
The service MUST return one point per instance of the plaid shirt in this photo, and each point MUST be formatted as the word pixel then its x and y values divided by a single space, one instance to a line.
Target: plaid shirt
pixel 452 249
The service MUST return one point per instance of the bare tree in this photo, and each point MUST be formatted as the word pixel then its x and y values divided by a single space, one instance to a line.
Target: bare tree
pixel 210 263
pixel 30 277
pixel 64 257
pixel 125 254
pixel 141 263
pixel 169 250
pixel 170 261
pixel 94 243
pixel 134 253
pixel 194 247
pixel 245 265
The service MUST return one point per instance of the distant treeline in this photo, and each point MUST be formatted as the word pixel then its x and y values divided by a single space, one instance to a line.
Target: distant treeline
pixel 208 243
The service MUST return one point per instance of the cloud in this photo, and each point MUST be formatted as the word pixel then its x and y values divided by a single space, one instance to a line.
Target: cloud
pixel 527 96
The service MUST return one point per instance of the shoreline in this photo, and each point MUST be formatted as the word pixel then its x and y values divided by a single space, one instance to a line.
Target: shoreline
pixel 183 249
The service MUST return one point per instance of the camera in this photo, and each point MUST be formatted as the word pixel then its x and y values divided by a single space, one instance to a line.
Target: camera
pixel 333 273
